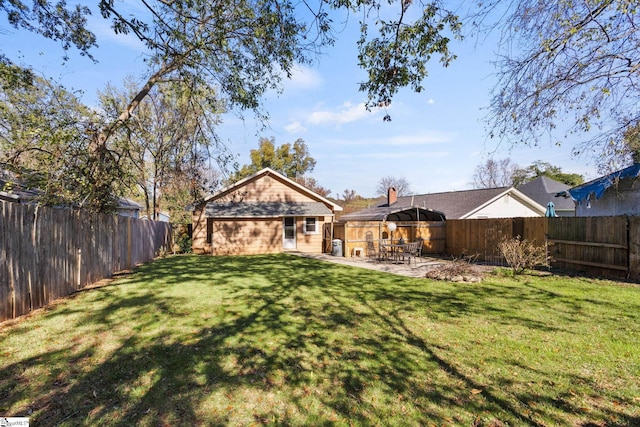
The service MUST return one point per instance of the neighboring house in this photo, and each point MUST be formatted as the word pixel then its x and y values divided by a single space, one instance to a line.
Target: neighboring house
pixel 263 213
pixel 128 207
pixel 504 202
pixel 14 191
pixel 611 195
pixel 544 189
pixel 162 217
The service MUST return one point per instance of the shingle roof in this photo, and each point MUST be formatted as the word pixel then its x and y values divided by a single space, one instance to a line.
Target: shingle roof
pixel 544 189
pixel 265 209
pixel 453 204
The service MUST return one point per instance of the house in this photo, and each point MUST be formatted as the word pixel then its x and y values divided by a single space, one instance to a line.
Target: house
pixel 504 202
pixel 617 193
pixel 128 207
pixel 263 213
pixel 423 216
pixel 13 190
pixel 544 189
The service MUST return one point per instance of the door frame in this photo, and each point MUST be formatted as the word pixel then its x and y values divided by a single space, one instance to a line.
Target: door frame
pixel 289 243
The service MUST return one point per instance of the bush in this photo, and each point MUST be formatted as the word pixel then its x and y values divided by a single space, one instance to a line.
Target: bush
pixel 183 242
pixel 523 255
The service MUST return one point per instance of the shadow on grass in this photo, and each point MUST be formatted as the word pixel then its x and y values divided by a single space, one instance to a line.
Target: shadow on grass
pixel 273 340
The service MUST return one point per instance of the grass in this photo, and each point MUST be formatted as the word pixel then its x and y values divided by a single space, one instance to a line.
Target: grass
pixel 283 340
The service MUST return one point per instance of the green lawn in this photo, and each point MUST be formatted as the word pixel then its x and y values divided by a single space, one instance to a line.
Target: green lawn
pixel 284 340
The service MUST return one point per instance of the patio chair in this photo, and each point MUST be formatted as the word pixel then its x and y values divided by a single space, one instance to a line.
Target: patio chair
pixel 411 251
pixel 420 241
pixel 372 252
pixel 383 250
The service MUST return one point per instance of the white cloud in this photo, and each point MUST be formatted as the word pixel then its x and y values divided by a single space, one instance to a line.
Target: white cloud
pixel 431 101
pixel 304 78
pixel 346 113
pixel 295 127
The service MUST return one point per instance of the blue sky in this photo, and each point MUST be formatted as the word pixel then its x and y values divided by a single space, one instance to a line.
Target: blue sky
pixel 435 139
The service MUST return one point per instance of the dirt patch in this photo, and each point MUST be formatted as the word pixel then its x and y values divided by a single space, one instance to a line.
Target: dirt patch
pixel 457 271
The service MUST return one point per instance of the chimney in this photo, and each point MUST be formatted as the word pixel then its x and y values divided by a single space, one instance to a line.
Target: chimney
pixel 392 196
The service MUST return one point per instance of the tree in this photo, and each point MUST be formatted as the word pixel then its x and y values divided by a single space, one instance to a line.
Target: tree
pixel 540 168
pixel 349 195
pixel 165 142
pixel 313 185
pixel 243 48
pixel 293 161
pixel 569 67
pixel 44 140
pixel 494 174
pixel 402 186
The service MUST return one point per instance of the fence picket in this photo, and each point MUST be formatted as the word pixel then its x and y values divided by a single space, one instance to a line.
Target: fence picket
pixel 47 253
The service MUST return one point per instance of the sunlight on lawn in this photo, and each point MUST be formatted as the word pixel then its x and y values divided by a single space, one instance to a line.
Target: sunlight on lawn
pixel 283 340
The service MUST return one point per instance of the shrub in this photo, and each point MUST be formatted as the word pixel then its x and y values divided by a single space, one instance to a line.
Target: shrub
pixel 183 242
pixel 523 255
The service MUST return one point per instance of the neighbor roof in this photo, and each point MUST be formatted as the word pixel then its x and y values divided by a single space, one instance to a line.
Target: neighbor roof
pixel 544 189
pixel 452 204
pixel 461 204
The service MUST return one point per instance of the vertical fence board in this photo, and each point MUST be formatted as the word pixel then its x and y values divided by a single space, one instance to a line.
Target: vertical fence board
pixel 41 249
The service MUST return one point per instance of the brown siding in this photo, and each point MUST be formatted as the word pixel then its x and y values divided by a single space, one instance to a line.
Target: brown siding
pixel 199 237
pixel 267 188
pixel 354 234
pixel 309 243
pixel 255 235
pixel 247 236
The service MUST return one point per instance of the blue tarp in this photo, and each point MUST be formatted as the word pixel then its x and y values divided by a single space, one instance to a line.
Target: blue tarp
pixel 598 186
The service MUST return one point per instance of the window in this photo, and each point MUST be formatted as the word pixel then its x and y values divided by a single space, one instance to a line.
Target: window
pixel 310 226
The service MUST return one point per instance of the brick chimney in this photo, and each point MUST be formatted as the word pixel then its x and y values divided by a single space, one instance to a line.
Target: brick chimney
pixel 392 196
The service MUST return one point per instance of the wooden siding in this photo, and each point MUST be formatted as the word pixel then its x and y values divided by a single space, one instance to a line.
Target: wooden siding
pixel 354 234
pixel 506 206
pixel 266 188
pixel 255 235
pixel 246 236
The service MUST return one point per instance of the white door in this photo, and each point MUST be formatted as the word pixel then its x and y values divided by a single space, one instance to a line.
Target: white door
pixel 289 235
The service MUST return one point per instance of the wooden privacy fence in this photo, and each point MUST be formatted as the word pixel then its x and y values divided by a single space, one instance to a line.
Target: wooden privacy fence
pixel 47 253
pixel 601 246
pixel 479 238
pixel 354 234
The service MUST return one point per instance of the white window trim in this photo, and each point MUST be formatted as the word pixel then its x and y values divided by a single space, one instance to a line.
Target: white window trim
pixel 316 231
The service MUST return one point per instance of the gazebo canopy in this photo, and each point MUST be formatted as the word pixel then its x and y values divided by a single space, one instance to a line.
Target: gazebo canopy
pixel 385 213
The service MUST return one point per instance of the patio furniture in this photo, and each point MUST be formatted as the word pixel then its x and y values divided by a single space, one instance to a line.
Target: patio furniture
pixel 411 250
pixel 372 251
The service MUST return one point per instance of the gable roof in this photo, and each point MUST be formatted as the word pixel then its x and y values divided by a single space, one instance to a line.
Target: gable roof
pixel 264 172
pixel 544 189
pixel 598 186
pixel 452 204
pixel 462 204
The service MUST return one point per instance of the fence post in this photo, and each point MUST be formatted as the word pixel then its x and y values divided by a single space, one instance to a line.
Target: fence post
pixel 79 268
pixel 633 247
